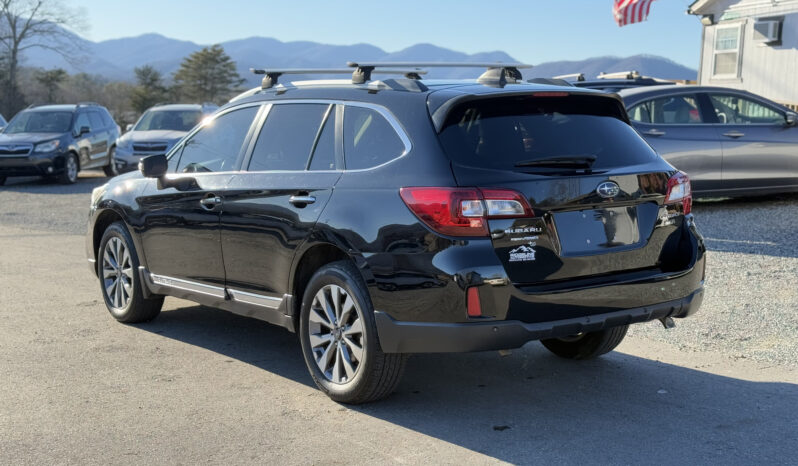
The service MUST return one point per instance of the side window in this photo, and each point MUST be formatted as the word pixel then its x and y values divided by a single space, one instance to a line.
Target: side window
pixel 369 140
pixel 324 154
pixel 673 110
pixel 109 122
pixel 218 144
pixel 96 121
pixel 734 110
pixel 81 121
pixel 287 137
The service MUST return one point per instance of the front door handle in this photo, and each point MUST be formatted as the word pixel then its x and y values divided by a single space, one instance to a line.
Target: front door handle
pixel 734 134
pixel 301 201
pixel 210 202
pixel 654 132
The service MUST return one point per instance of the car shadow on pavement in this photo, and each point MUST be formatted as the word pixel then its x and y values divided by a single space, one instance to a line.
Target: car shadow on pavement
pixel 251 341
pixel 36 185
pixel 531 406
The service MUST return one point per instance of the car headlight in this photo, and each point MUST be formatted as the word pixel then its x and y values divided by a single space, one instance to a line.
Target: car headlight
pixel 125 144
pixel 47 146
pixel 97 193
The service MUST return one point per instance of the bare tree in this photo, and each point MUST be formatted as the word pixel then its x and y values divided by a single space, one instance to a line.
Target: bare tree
pixel 27 24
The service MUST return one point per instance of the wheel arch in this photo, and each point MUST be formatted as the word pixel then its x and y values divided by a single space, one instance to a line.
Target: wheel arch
pixel 311 259
pixel 101 223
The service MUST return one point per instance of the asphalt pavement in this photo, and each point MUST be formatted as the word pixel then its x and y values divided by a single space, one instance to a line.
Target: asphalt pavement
pixel 202 386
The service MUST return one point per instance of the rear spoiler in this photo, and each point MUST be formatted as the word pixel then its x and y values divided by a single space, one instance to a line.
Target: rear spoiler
pixel 439 108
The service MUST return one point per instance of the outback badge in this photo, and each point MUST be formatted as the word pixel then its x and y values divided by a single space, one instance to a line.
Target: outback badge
pixel 608 189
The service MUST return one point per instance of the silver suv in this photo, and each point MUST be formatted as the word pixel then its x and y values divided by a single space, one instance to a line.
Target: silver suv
pixel 158 129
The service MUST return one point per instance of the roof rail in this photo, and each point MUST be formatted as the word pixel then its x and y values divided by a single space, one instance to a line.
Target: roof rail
pixel 87 104
pixel 272 75
pixel 576 76
pixel 496 74
pixel 620 75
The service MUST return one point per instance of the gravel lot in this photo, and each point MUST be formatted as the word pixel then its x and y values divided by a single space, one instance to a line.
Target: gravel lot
pixel 203 386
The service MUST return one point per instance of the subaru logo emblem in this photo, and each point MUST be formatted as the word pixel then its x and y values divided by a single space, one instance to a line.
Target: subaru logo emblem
pixel 608 189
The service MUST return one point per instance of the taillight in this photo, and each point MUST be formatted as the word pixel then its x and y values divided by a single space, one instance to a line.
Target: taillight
pixel 679 192
pixel 464 211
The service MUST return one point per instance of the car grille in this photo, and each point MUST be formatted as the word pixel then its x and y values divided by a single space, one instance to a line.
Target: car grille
pixel 150 147
pixel 15 150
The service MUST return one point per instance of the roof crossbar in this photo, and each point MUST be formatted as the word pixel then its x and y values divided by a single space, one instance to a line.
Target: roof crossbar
pixel 496 74
pixel 633 74
pixel 272 75
pixel 574 76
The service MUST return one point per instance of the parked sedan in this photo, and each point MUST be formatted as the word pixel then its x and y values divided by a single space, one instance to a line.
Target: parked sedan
pixel 729 142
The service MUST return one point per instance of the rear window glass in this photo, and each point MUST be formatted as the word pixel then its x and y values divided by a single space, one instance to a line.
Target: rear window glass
pixel 505 132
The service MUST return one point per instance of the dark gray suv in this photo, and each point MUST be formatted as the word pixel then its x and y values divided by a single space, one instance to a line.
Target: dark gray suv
pixel 57 141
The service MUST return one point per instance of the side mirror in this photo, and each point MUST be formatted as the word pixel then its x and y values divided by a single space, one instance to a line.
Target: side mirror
pixel 792 118
pixel 84 130
pixel 128 127
pixel 154 166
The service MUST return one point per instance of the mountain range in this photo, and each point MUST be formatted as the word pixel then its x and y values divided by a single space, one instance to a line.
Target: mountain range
pixel 116 58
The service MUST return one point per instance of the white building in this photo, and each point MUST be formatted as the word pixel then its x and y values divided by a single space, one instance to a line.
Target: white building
pixel 750 45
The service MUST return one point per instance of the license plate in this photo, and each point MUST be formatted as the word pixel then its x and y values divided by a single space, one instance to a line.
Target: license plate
pixel 597 230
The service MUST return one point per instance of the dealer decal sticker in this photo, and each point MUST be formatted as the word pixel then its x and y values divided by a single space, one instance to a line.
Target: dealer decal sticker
pixel 523 253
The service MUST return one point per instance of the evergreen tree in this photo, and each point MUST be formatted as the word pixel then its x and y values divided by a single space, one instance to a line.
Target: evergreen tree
pixel 149 89
pixel 208 75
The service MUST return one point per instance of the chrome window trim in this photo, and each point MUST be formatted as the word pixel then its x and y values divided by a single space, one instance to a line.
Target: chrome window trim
pixel 392 120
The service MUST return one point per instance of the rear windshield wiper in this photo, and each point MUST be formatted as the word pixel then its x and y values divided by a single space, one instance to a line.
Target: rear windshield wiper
pixel 582 161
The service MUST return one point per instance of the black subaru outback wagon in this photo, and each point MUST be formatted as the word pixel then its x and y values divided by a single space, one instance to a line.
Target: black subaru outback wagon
pixel 381 218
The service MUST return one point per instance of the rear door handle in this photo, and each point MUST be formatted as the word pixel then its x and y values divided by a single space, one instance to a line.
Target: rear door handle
pixel 734 134
pixel 210 202
pixel 301 201
pixel 654 132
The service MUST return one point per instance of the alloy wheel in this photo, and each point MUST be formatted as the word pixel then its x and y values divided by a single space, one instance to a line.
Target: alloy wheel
pixel 72 168
pixel 117 270
pixel 335 328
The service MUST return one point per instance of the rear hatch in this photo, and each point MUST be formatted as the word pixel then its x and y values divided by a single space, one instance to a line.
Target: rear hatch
pixel 596 191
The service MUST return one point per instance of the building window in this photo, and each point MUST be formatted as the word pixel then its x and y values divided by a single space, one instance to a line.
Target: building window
pixel 726 60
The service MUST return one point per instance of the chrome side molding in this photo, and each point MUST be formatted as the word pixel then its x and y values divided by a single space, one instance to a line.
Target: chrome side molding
pixel 274 310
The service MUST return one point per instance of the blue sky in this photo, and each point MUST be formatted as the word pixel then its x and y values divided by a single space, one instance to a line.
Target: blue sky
pixel 532 31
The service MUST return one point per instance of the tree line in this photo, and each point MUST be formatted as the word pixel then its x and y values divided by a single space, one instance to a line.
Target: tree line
pixel 208 75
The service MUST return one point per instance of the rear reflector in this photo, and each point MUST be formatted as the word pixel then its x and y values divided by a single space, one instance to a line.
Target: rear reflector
pixel 464 211
pixel 680 192
pixel 472 300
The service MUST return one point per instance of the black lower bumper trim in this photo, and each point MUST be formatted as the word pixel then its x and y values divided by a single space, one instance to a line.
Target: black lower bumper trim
pixel 433 337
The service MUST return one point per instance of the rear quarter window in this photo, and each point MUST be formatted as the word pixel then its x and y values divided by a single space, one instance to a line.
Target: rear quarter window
pixel 503 132
pixel 369 139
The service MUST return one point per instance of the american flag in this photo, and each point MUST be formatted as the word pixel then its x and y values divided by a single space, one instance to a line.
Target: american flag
pixel 631 11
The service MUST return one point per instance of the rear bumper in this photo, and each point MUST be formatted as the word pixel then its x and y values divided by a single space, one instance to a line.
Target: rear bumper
pixel 427 337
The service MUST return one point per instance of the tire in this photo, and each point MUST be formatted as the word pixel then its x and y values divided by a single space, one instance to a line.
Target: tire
pixel 71 168
pixel 587 345
pixel 110 169
pixel 125 301
pixel 350 332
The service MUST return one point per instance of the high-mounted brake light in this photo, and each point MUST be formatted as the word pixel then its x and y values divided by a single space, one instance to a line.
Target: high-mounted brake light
pixel 680 192
pixel 550 94
pixel 464 211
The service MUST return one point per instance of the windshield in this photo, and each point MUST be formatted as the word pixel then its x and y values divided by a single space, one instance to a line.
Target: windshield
pixel 40 122
pixel 168 120
pixel 510 133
